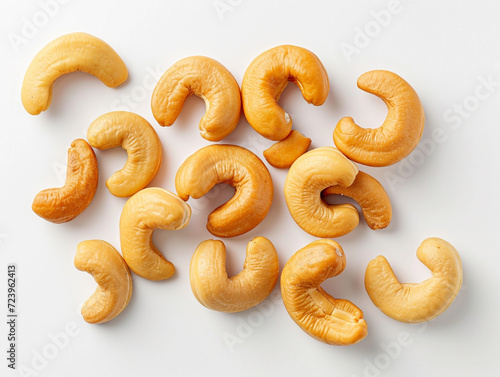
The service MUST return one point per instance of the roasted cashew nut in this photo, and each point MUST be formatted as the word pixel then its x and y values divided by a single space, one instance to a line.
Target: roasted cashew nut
pixel 420 302
pixel 112 275
pixel 241 169
pixel 205 78
pixel 66 54
pixel 150 209
pixel 400 132
pixel 60 205
pixel 212 287
pixel 329 320
pixel 138 138
pixel 266 78
pixel 283 154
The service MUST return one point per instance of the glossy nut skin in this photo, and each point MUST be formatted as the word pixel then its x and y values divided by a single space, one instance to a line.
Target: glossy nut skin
pixel 215 290
pixel 283 154
pixel 266 78
pixel 138 138
pixel 241 169
pixel 60 205
pixel 112 275
pixel 66 54
pixel 400 132
pixel 151 208
pixel 329 320
pixel 414 303
pixel 205 78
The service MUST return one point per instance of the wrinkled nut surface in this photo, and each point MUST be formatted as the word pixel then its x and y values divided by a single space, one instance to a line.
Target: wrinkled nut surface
pixel 112 275
pixel 150 209
pixel 205 78
pixel 371 197
pixel 66 54
pixel 420 302
pixel 241 169
pixel 266 78
pixel 330 320
pixel 215 290
pixel 60 205
pixel 400 132
pixel 138 138
pixel 283 154
pixel 309 175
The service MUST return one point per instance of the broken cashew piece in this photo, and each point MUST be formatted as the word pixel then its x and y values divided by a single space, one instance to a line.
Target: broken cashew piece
pixel 66 54
pixel 420 302
pixel 205 78
pixel 138 138
pixel 329 320
pixel 112 275
pixel 151 208
pixel 283 154
pixel 400 132
pixel 215 290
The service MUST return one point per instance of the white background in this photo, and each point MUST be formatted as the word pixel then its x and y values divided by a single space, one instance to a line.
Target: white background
pixel 448 187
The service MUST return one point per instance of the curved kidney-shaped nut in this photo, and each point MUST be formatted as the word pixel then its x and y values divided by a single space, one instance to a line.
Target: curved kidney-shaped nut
pixel 241 169
pixel 415 303
pixel 371 197
pixel 212 287
pixel 283 154
pixel 138 138
pixel 112 275
pixel 150 209
pixel 400 132
pixel 69 53
pixel 60 205
pixel 330 320
pixel 268 75
pixel 309 175
pixel 205 78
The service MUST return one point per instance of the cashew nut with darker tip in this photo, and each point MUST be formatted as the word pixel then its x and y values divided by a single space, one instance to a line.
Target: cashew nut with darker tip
pixel 283 154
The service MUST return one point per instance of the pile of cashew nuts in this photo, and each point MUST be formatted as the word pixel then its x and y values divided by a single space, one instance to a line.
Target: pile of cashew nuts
pixel 312 175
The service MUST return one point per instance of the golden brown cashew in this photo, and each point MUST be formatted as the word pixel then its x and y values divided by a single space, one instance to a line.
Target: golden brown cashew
pixel 266 78
pixel 60 205
pixel 283 154
pixel 400 132
pixel 138 138
pixel 205 78
pixel 420 302
pixel 330 320
pixel 309 175
pixel 69 53
pixel 212 287
pixel 112 275
pixel 150 209
pixel 241 169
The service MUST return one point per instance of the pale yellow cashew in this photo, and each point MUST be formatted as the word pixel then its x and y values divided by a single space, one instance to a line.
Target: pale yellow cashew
pixel 329 320
pixel 420 302
pixel 138 138
pixel 205 78
pixel 150 209
pixel 66 54
pixel 215 290
pixel 309 175
pixel 283 154
pixel 112 275
pixel 400 132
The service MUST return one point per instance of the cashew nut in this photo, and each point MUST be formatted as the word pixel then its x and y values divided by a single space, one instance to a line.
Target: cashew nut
pixel 309 175
pixel 241 169
pixel 420 302
pixel 60 205
pixel 208 79
pixel 330 320
pixel 212 287
pixel 69 53
pixel 266 78
pixel 149 209
pixel 400 132
pixel 138 138
pixel 112 275
pixel 283 154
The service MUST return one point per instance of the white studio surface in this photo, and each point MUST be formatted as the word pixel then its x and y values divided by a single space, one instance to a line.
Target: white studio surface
pixel 448 187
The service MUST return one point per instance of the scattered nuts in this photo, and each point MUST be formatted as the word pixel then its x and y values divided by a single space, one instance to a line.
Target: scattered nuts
pixel 283 154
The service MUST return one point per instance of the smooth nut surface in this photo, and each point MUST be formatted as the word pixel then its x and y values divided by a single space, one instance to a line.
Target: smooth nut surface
pixel 283 154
